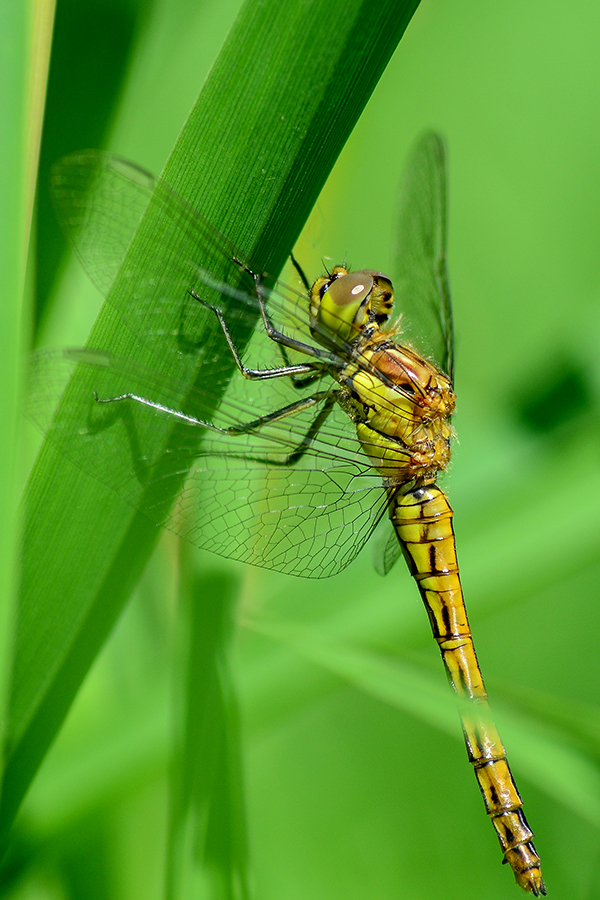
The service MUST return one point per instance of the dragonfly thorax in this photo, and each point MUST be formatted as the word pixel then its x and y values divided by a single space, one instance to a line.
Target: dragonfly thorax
pixel 401 405
pixel 343 303
pixel 400 402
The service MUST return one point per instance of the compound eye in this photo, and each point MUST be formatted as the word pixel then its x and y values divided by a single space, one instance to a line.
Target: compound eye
pixel 380 275
pixel 352 288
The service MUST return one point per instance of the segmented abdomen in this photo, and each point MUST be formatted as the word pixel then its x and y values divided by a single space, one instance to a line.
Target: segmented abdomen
pixel 422 518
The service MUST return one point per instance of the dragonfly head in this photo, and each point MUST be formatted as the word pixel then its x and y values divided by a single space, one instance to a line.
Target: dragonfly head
pixel 343 303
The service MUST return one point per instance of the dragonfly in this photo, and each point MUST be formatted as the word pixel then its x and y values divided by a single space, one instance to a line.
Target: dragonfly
pixel 339 424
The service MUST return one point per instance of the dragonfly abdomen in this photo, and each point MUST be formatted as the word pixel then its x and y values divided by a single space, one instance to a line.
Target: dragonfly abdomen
pixel 422 518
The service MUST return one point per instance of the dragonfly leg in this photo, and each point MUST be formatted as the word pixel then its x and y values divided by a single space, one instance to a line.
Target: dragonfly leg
pixel 295 455
pixel 300 272
pixel 278 414
pixel 255 374
pixel 299 382
pixel 231 430
pixel 312 432
pixel 278 336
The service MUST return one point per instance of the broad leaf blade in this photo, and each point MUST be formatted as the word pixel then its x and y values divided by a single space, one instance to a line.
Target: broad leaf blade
pixel 266 130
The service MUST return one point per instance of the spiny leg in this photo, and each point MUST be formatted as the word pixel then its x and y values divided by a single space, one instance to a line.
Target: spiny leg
pixel 275 335
pixel 247 427
pixel 312 432
pixel 300 272
pixel 296 381
pixel 259 374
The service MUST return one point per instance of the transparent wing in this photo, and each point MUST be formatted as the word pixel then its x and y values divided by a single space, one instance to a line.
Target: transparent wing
pixel 386 550
pixel 246 494
pixel 421 283
pixel 238 495
pixel 99 205
pixel 100 201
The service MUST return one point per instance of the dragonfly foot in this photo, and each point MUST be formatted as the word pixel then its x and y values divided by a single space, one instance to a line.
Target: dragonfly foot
pixel 203 302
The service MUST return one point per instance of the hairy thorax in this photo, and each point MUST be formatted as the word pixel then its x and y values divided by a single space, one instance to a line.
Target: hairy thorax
pixel 401 405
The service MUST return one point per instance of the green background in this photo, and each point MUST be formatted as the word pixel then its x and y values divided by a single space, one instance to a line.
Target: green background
pixel 356 781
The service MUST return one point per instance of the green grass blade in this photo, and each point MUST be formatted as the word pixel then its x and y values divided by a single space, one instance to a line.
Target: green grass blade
pixel 13 244
pixel 281 100
pixel 207 852
pixel 547 760
pixel 25 29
